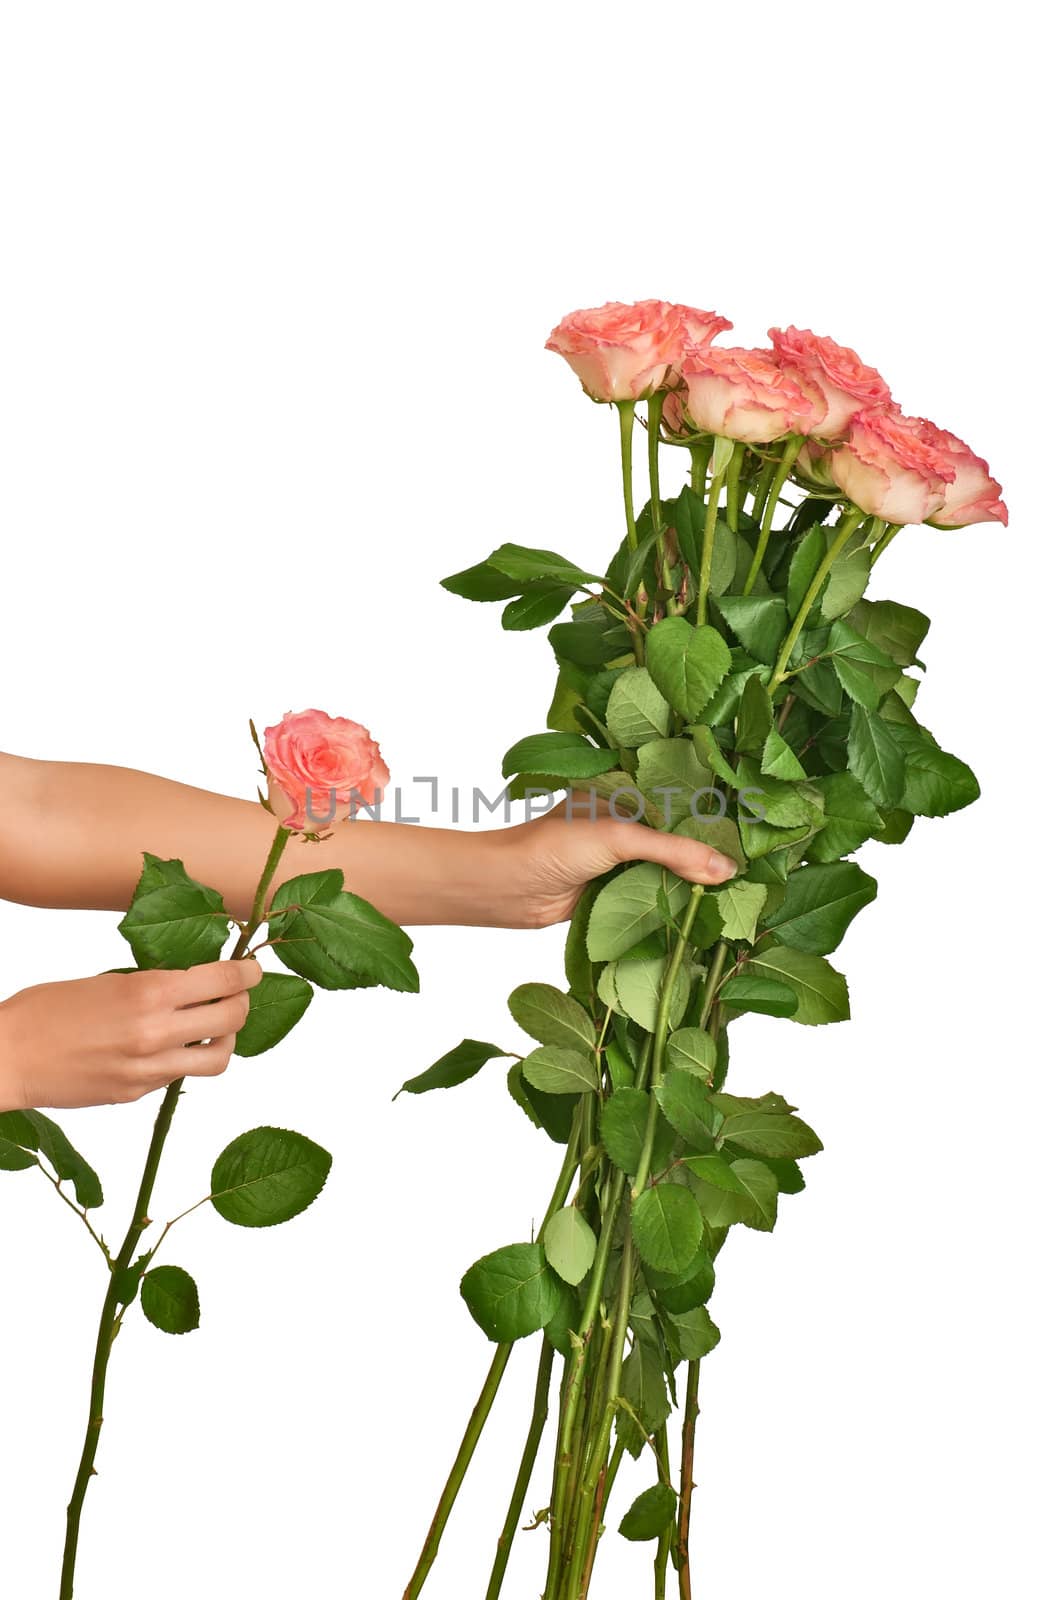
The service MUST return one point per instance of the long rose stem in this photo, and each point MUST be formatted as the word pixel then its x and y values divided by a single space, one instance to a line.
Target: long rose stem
pixel 540 1411
pixel 488 1394
pixel 782 472
pixel 687 1485
pixel 842 533
pixel 140 1221
pixel 664 1543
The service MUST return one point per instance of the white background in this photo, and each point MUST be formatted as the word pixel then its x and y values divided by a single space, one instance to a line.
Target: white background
pixel 274 287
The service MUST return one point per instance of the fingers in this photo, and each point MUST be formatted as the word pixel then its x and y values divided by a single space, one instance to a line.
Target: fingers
pixel 194 1061
pixel 212 981
pixel 193 1023
pixel 687 858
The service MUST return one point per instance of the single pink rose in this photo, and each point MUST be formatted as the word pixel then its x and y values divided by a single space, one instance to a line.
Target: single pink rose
pixel 621 352
pixel 847 383
pixel 745 395
pixel 888 469
pixel 701 327
pixel 325 766
pixel 972 496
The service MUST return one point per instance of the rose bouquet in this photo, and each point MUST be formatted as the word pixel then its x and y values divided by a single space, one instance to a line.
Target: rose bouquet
pixel 726 677
pixel 326 937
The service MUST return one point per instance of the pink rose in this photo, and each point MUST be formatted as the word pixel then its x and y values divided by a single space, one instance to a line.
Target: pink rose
pixel 890 470
pixel 325 766
pixel 620 352
pixel 745 395
pixel 847 384
pixel 972 496
pixel 700 327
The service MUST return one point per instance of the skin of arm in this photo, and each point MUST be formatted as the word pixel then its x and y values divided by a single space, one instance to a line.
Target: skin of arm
pixel 71 835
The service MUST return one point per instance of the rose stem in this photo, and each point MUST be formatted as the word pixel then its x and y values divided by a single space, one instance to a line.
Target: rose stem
pixel 690 1422
pixel 626 409
pixel 540 1411
pixel 842 534
pixel 892 530
pixel 664 1543
pixel 699 468
pixel 140 1221
pixel 735 497
pixel 782 472
pixel 707 541
pixel 488 1394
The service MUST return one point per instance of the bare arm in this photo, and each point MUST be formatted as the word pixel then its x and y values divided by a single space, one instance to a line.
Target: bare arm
pixel 72 835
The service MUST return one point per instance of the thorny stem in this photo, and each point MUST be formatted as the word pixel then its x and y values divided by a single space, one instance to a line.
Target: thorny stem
pixel 111 1313
pixel 687 1485
pixel 540 1411
pixel 78 1211
pixel 664 1543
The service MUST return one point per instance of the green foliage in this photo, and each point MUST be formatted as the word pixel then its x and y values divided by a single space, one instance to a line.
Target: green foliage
pixel 267 1176
pixel 457 1066
pixel 170 1300
pixel 687 664
pixel 277 1003
pixel 649 1515
pixel 512 1292
pixel 666 1226
pixel 552 1017
pixel 336 939
pixel 570 1244
pixel 172 920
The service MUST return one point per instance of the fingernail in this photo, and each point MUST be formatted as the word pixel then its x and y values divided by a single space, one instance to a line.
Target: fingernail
pixel 723 866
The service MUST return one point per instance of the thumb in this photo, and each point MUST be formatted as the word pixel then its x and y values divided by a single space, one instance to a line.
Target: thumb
pixel 687 858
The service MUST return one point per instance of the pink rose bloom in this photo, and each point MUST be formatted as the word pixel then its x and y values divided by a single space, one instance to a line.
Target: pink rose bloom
pixel 620 352
pixel 324 765
pixel 888 469
pixel 847 384
pixel 700 327
pixel 972 496
pixel 745 395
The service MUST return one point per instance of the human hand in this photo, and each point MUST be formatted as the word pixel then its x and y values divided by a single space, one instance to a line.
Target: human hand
pixel 553 858
pixel 118 1036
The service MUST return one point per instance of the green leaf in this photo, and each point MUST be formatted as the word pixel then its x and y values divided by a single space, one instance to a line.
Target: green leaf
pixel 692 1050
pixel 551 1112
pixel 684 1099
pixel 687 663
pixel 526 565
pixel 670 774
pixel 696 1335
pixel 896 629
pixel 637 711
pixel 649 1515
pixel 818 905
pixel 876 759
pixel 568 755
pixel 642 1386
pixel 822 993
pixel 578 968
pixel 172 920
pixel 850 818
pixel 16 1126
pixel 69 1165
pixel 690 529
pixel 628 908
pixel 779 761
pixel 710 755
pixel 565 1320
pixel 268 1176
pixel 337 939
pixel 755 716
pixel 806 558
pixel 762 1192
pixel 558 1071
pixel 637 990
pixel 757 621
pixel 593 639
pixel 540 605
pixel 771 1133
pixel 769 998
pixel 481 582
pixel 570 1244
pixel 457 1066
pixel 512 1292
pixel 691 1288
pixel 935 783
pixel 624 1120
pixel 170 1300
pixel 277 1003
pixel 13 1158
pixel 741 904
pixel 714 1170
pixel 845 584
pixel 552 1017
pixel 666 1226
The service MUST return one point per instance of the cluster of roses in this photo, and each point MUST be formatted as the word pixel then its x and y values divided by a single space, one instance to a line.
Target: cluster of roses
pixel 844 431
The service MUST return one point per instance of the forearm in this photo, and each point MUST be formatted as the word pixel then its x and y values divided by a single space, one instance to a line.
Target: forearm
pixel 75 834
